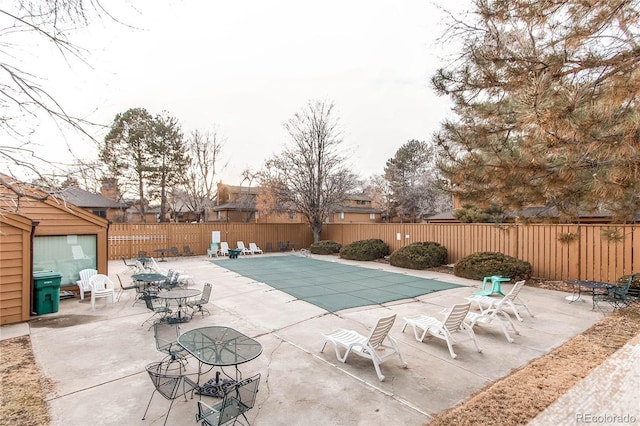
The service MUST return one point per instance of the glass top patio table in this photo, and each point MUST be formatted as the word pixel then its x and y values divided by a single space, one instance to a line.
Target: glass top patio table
pixel 594 288
pixel 149 277
pixel 180 295
pixel 220 346
pixel 184 293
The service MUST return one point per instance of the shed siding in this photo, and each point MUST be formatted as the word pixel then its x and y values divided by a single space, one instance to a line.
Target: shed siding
pixel 58 218
pixel 22 205
pixel 15 270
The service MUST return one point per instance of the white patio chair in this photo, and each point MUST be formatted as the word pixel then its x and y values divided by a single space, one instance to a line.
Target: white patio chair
pixel 371 347
pixel 494 313
pixel 452 325
pixel 101 287
pixel 83 282
pixel 224 248
pixel 511 300
pixel 156 268
pixel 240 246
pixel 254 249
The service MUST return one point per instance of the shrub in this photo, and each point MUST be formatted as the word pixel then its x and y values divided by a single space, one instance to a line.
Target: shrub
pixel 365 250
pixel 484 264
pixel 419 256
pixel 325 247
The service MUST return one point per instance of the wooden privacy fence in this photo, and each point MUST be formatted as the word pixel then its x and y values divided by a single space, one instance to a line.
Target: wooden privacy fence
pixel 127 239
pixel 556 252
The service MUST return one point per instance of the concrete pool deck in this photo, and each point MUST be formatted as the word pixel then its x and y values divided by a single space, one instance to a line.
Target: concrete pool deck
pixel 96 359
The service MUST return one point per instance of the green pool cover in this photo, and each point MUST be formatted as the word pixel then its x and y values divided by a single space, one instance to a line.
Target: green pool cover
pixel 330 285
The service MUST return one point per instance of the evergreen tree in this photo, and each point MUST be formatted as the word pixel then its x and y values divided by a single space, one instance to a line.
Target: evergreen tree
pixel 546 97
pixel 127 152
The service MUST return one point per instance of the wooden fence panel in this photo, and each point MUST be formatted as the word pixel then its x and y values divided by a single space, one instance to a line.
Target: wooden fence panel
pixel 125 240
pixel 557 252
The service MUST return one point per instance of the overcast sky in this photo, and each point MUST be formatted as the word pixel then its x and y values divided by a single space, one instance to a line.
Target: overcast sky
pixel 245 67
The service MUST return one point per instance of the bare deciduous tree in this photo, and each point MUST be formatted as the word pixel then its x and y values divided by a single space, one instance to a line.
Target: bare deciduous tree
pixel 205 149
pixel 310 176
pixel 24 98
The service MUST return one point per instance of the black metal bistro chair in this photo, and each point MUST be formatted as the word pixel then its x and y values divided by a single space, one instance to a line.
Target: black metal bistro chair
pixel 237 400
pixel 170 386
pixel 198 305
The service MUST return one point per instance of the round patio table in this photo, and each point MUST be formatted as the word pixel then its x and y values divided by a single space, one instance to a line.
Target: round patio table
pixel 219 346
pixel 148 279
pixel 180 296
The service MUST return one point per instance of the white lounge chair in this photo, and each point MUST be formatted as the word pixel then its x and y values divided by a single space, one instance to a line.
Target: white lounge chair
pixel 101 287
pixel 452 325
pixel 494 313
pixel 511 300
pixel 156 268
pixel 254 249
pixel 224 248
pixel 83 282
pixel 371 347
pixel 240 246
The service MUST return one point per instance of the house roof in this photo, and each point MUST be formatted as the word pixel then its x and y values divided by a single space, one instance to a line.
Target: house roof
pixel 233 206
pixel 237 189
pixel 535 212
pixel 86 199
pixel 356 197
pixel 348 209
pixel 13 186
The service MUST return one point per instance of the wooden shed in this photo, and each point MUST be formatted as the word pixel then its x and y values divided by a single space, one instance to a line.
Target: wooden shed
pixel 15 268
pixel 62 238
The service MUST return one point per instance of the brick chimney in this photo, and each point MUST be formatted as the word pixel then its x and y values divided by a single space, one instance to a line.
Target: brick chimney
pixel 109 189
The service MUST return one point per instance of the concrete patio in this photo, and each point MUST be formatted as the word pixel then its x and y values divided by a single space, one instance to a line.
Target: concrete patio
pixel 97 358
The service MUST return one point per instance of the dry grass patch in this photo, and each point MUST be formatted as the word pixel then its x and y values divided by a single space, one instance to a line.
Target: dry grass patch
pixel 22 399
pixel 510 400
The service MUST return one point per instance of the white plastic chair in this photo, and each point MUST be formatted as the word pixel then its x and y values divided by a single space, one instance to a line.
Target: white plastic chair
pixel 494 313
pixel 371 347
pixel 224 248
pixel 453 324
pixel 240 246
pixel 101 287
pixel 83 282
pixel 253 248
pixel 511 300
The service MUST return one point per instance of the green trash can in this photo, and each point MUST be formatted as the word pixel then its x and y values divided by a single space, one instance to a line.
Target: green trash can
pixel 46 294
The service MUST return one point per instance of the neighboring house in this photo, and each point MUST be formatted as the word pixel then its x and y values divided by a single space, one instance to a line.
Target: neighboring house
pixel 236 204
pixel 41 232
pixel 178 211
pixel 99 205
pixel 357 209
pixel 132 214
pixel 548 214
